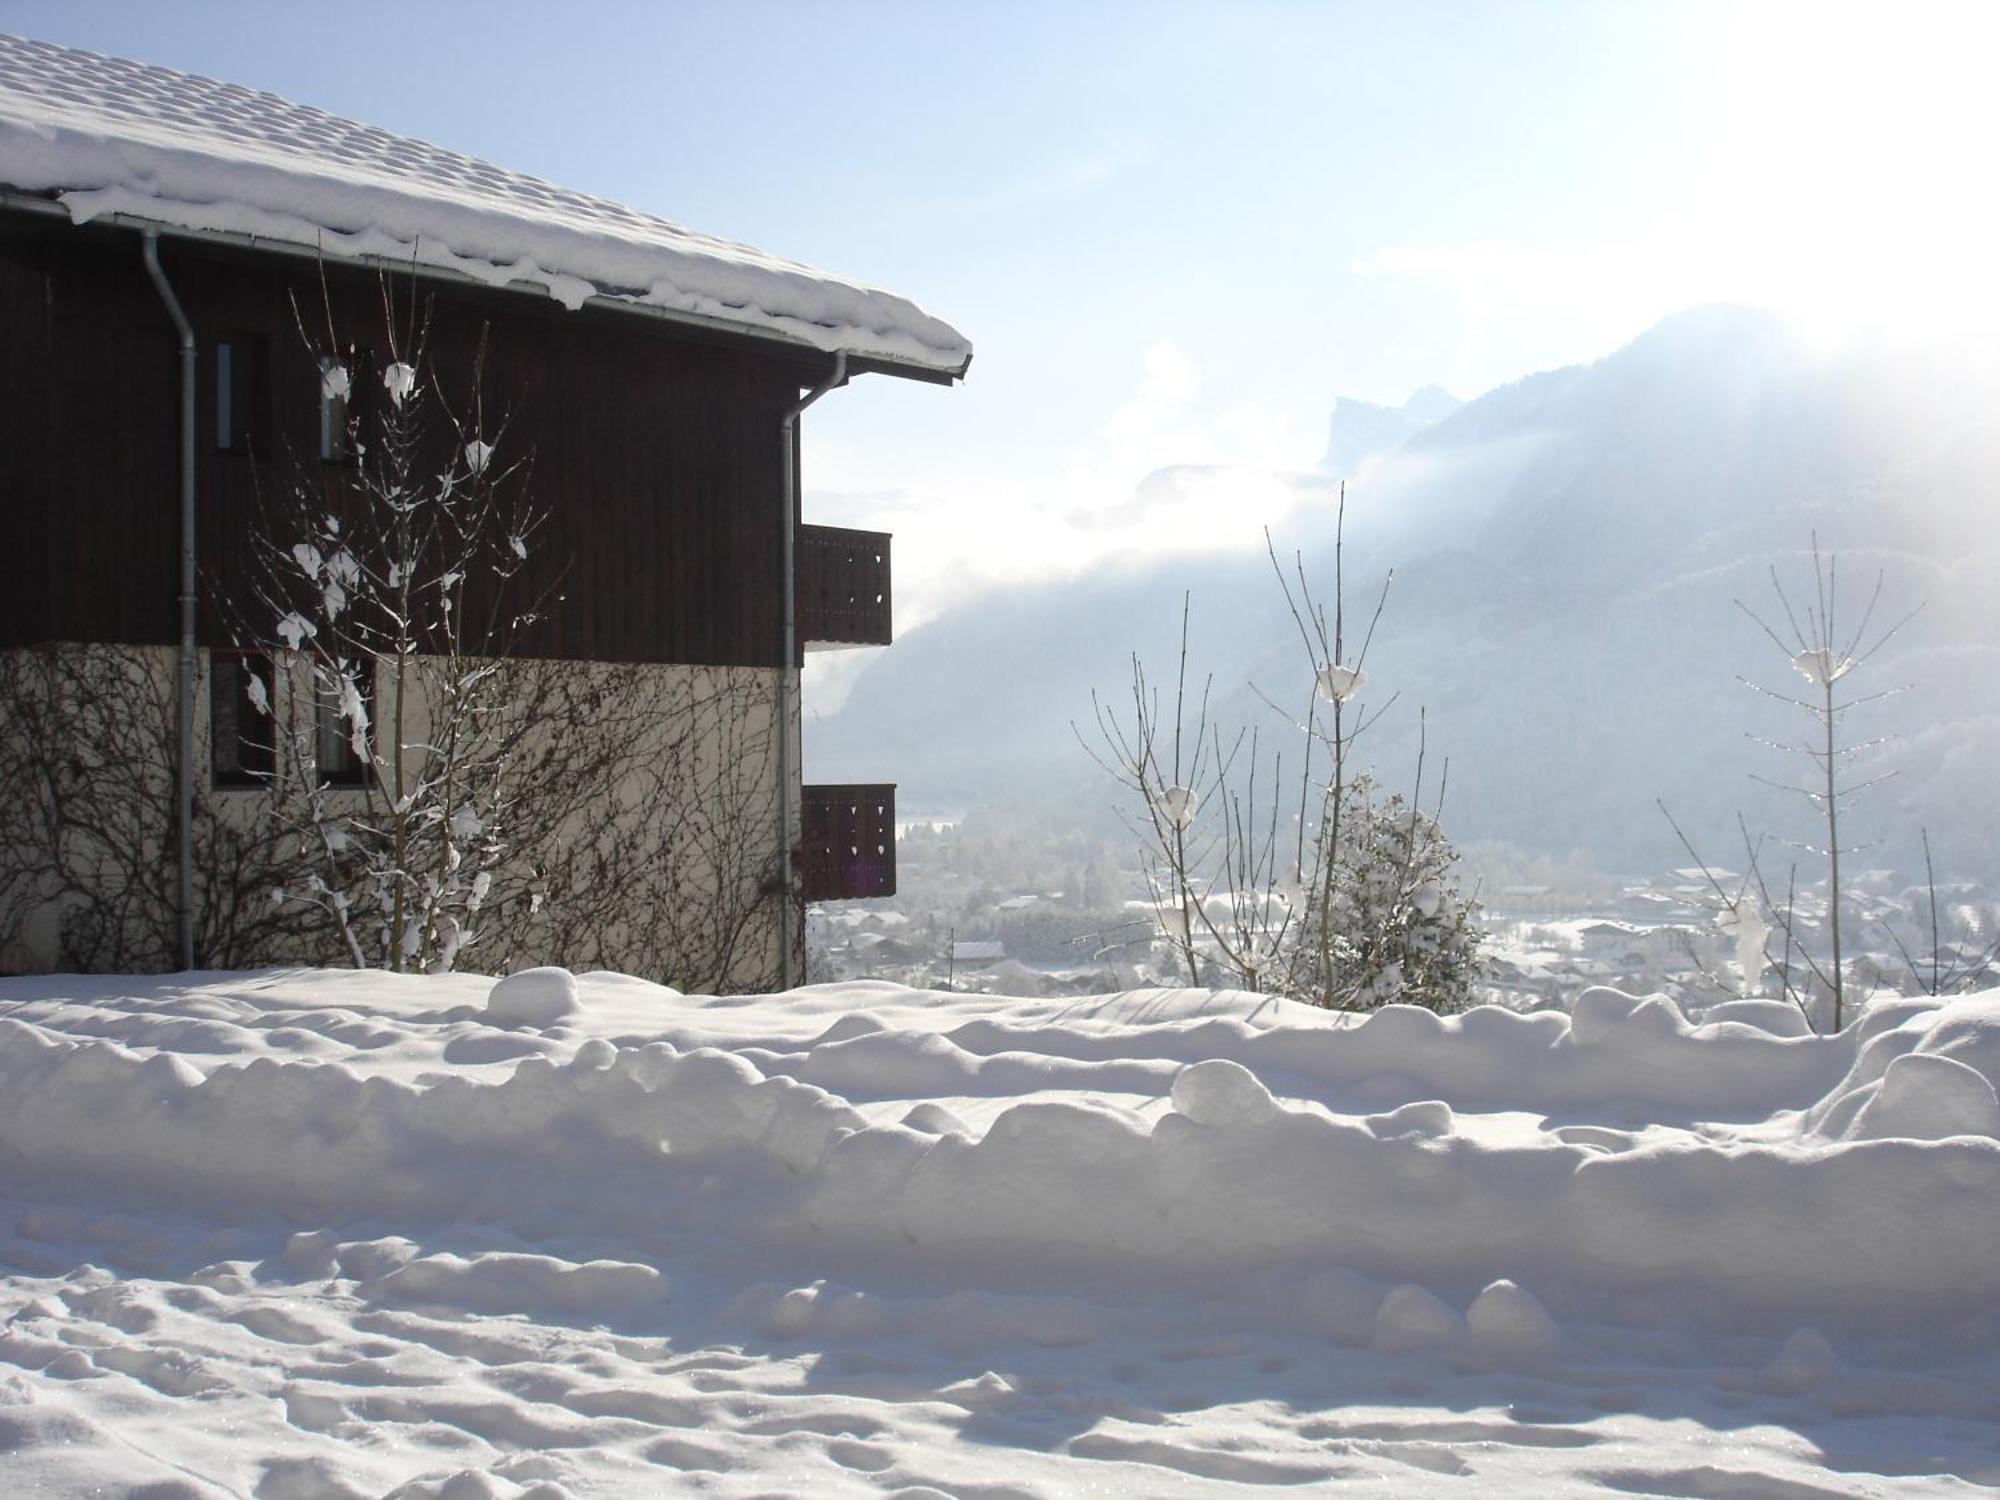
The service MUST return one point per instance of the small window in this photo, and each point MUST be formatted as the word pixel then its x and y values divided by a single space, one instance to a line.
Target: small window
pixel 334 732
pixel 336 386
pixel 239 394
pixel 242 735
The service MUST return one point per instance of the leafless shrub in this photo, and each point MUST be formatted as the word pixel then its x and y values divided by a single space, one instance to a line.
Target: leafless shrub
pixel 1341 898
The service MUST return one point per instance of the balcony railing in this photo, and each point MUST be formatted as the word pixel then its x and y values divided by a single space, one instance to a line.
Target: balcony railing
pixel 849 847
pixel 843 580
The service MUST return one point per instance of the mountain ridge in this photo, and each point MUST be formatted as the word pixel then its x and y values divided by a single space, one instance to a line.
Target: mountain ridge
pixel 1569 550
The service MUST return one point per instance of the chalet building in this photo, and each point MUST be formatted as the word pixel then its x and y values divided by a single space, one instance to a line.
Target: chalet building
pixel 202 290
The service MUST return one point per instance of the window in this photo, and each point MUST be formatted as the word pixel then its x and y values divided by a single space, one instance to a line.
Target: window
pixel 334 729
pixel 242 735
pixel 336 394
pixel 240 362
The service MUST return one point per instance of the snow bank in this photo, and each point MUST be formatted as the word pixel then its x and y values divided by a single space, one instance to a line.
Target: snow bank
pixel 1863 1170
pixel 1614 1048
pixel 1921 1073
pixel 339 1234
pixel 112 137
pixel 321 1136
pixel 532 997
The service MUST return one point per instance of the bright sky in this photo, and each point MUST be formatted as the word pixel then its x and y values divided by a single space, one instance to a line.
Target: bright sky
pixel 1175 233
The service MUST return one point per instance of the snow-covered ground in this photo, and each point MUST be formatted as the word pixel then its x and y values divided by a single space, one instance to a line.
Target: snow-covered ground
pixel 316 1234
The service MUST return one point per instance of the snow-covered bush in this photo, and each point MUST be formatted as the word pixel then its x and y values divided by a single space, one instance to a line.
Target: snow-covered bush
pixel 1395 922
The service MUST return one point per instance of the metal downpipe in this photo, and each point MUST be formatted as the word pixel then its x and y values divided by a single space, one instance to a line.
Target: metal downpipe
pixel 184 696
pixel 788 672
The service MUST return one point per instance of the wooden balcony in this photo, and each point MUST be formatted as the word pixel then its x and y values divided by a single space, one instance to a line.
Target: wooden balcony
pixel 849 845
pixel 843 582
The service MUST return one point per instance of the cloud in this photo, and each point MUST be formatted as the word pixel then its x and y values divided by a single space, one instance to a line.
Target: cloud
pixel 1196 508
pixel 1167 471
pixel 950 550
pixel 1133 440
pixel 1166 424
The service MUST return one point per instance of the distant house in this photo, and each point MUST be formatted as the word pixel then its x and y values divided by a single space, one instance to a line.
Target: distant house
pixel 977 953
pixel 157 233
pixel 878 949
pixel 1646 950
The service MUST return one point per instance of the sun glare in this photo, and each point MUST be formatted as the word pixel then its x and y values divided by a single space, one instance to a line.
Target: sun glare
pixel 1853 166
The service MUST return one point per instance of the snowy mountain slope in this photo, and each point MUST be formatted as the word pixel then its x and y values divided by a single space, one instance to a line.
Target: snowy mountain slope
pixel 334 1234
pixel 1567 551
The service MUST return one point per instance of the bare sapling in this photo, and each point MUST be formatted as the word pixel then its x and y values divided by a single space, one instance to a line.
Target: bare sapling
pixel 1199 839
pixel 1826 650
pixel 1820 647
pixel 384 584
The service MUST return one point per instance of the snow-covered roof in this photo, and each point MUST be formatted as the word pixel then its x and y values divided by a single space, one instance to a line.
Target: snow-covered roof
pixel 105 136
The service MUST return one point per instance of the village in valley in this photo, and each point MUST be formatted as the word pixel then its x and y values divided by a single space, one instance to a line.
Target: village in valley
pixel 1017 901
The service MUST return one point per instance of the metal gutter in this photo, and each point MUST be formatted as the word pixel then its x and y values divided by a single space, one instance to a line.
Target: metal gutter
pixel 184 697
pixel 788 671
pixel 887 364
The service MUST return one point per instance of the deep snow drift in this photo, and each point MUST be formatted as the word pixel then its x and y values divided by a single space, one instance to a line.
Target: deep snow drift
pixel 330 1234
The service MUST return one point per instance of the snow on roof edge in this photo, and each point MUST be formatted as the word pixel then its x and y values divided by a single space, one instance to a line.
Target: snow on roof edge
pixel 400 262
pixel 111 139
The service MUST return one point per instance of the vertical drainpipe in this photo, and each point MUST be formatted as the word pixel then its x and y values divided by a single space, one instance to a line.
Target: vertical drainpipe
pixel 788 586
pixel 184 697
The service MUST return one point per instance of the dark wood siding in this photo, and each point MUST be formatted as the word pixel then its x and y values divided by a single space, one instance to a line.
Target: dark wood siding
pixel 94 372
pixel 656 450
pixel 25 316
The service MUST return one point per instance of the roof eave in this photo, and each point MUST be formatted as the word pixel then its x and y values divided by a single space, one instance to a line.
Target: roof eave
pixel 859 362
